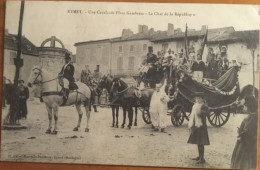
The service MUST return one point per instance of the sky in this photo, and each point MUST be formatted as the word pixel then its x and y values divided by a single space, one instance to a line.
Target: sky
pixel 45 19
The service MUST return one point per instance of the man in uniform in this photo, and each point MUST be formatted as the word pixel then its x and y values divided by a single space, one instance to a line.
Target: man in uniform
pixel 151 61
pixel 85 75
pixel 66 77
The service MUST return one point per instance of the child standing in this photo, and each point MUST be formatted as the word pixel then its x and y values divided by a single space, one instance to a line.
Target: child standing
pixel 198 127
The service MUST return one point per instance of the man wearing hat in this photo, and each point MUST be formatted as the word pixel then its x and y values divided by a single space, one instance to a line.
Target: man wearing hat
pixel 66 76
pixel 151 61
pixel 197 125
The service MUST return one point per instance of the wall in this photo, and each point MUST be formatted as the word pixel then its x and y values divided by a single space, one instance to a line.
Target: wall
pixel 127 61
pixel 94 54
pixel 9 67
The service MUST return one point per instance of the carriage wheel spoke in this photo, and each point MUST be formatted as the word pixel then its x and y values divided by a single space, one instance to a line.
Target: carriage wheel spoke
pixel 221 118
pixel 218 119
pixel 211 114
pixel 223 114
pixel 213 118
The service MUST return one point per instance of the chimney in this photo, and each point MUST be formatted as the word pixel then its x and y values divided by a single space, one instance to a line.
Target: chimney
pixel 140 28
pixel 126 33
pixel 178 30
pixel 170 30
pixel 97 68
pixel 145 29
pixel 151 31
pixel 203 28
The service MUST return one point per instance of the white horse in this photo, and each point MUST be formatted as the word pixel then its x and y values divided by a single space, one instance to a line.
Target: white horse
pixel 50 91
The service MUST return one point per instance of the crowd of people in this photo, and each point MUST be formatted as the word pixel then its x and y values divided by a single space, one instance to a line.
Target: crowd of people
pixel 23 94
pixel 161 65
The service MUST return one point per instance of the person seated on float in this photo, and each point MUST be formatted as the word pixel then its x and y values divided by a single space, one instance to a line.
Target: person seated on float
pixel 198 68
pixel 66 77
pixel 167 62
pixel 223 64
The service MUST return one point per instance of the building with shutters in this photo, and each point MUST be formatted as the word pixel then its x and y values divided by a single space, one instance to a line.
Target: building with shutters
pixel 123 55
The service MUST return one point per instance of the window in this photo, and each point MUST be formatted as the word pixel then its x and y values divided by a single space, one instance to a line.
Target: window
pixel 145 47
pixel 131 63
pixel 120 48
pixel 132 48
pixel 120 63
pixel 164 46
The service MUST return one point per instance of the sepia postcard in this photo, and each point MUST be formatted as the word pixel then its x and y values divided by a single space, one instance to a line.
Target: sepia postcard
pixel 137 84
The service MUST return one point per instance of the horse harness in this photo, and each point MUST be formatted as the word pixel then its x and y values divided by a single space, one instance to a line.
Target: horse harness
pixel 49 93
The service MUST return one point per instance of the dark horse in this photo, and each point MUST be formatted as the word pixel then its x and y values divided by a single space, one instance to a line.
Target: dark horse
pixel 106 82
pixel 129 98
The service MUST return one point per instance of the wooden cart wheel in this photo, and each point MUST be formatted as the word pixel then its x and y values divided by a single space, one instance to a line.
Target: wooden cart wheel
pixel 217 118
pixel 177 115
pixel 146 116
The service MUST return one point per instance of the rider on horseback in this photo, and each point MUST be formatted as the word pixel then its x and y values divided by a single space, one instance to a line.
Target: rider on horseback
pixel 66 78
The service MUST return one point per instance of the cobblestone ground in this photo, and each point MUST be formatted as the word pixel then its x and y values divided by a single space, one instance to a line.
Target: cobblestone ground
pixel 107 145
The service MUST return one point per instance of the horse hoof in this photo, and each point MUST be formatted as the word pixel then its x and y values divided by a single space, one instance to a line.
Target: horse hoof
pixel 112 125
pixel 135 124
pixel 129 127
pixel 122 126
pixel 48 131
pixel 54 132
pixel 76 129
pixel 87 130
pixel 116 126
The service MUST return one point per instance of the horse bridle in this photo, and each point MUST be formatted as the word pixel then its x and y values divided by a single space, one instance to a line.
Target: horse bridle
pixel 119 92
pixel 40 74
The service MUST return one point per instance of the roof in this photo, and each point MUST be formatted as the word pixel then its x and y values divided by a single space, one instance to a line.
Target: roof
pixel 137 36
pixel 212 34
pixel 11 41
pixel 249 35
pixel 92 41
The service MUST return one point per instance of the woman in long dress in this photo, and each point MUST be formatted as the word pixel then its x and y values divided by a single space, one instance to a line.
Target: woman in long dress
pixel 245 152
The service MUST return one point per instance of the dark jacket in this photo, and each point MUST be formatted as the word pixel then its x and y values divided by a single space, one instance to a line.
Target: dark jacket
pixel 67 72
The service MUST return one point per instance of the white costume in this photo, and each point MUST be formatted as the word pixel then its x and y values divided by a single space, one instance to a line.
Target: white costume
pixel 158 108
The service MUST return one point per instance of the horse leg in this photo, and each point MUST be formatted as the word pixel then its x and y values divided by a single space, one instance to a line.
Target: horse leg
pixel 130 116
pixel 49 109
pixel 80 113
pixel 95 108
pixel 135 124
pixel 90 103
pixel 117 110
pixel 124 115
pixel 113 115
pixel 87 105
pixel 55 110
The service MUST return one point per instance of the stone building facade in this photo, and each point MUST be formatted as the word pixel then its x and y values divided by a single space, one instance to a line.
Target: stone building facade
pixel 50 55
pixel 125 54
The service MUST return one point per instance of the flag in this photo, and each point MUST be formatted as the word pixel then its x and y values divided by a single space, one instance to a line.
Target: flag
pixel 205 39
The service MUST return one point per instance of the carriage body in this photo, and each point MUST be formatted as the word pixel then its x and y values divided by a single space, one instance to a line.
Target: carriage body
pixel 221 96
